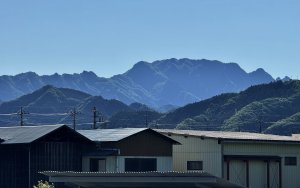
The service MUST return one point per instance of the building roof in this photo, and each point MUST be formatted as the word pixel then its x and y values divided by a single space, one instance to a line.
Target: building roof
pixel 114 135
pixel 25 134
pixel 110 135
pixel 191 179
pixel 237 136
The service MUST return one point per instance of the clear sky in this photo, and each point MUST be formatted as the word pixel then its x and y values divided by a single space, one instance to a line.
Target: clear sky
pixel 109 36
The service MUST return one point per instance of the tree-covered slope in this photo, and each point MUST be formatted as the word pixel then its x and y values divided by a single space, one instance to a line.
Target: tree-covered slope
pixel 51 105
pixel 286 126
pixel 254 109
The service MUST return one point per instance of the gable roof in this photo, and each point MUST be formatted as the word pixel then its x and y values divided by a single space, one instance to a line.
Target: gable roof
pixel 25 134
pixel 114 135
pixel 233 136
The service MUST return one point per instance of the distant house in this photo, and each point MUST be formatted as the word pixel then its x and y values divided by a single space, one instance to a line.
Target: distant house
pixel 245 159
pixel 26 151
pixel 128 149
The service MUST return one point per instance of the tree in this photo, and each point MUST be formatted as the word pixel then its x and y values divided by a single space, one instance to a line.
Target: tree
pixel 42 184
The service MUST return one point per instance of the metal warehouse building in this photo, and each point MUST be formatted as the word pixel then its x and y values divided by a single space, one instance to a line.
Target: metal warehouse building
pixel 247 159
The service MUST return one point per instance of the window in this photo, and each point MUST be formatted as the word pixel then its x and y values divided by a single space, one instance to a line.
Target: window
pixel 194 165
pixel 140 164
pixel 97 165
pixel 290 161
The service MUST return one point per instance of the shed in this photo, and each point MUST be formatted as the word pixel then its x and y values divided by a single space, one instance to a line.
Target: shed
pixel 247 159
pixel 128 149
pixel 27 150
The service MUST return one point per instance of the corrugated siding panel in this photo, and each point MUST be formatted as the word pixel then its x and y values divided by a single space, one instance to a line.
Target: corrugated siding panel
pixel 290 174
pixel 257 174
pixel 237 172
pixel 197 149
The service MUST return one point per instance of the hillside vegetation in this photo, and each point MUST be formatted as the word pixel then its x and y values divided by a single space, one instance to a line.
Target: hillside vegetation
pixel 269 108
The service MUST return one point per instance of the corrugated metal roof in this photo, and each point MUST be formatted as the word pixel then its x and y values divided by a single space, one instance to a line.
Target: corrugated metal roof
pixel 231 135
pixel 25 134
pixel 110 135
pixel 127 174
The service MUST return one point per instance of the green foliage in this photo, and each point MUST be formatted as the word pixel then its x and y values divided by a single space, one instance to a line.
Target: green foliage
pixel 286 126
pixel 255 109
pixel 42 184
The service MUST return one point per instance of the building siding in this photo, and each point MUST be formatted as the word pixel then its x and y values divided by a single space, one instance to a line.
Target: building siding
pixel 197 149
pixel 290 174
pixel 212 151
pixel 146 143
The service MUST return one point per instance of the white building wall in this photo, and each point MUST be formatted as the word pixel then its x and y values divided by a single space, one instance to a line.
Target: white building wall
pixel 197 149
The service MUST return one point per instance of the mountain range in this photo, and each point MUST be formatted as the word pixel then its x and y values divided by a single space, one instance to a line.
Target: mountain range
pixel 268 108
pixel 161 84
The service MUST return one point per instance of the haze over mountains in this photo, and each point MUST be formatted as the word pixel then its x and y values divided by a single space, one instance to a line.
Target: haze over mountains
pixel 50 105
pixel 165 83
pixel 269 108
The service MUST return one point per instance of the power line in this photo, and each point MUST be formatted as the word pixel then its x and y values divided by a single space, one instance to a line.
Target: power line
pixel 73 113
pixel 21 113
pixel 8 114
pixel 50 114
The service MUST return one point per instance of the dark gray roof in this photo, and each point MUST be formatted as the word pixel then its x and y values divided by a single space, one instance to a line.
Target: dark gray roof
pixel 192 179
pixel 25 134
pixel 110 135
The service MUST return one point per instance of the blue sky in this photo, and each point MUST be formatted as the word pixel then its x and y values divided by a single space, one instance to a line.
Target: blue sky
pixel 108 37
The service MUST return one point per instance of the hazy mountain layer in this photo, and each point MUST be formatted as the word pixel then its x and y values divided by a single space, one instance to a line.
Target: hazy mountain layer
pixel 51 105
pixel 174 82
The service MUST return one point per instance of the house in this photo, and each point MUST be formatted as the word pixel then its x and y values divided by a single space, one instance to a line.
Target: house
pixel 246 159
pixel 128 149
pixel 26 151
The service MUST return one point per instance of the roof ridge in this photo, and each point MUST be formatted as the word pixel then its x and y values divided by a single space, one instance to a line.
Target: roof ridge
pixel 31 126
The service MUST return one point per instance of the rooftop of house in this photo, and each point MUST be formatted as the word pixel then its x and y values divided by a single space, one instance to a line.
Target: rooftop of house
pixel 25 134
pixel 110 135
pixel 226 135
pixel 191 179
pixel 114 135
pixel 29 134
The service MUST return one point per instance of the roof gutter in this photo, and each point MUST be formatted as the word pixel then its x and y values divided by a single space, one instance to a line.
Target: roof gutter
pixel 260 141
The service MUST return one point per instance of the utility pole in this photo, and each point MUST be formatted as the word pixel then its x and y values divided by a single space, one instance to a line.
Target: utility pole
pixel 21 113
pixel 260 123
pixel 146 120
pixel 73 114
pixel 95 116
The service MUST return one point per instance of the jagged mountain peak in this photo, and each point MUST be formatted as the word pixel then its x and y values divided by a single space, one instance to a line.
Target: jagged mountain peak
pixel 170 81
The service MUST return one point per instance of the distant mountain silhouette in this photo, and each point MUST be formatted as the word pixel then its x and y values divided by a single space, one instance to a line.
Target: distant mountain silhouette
pixel 45 103
pixel 174 82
